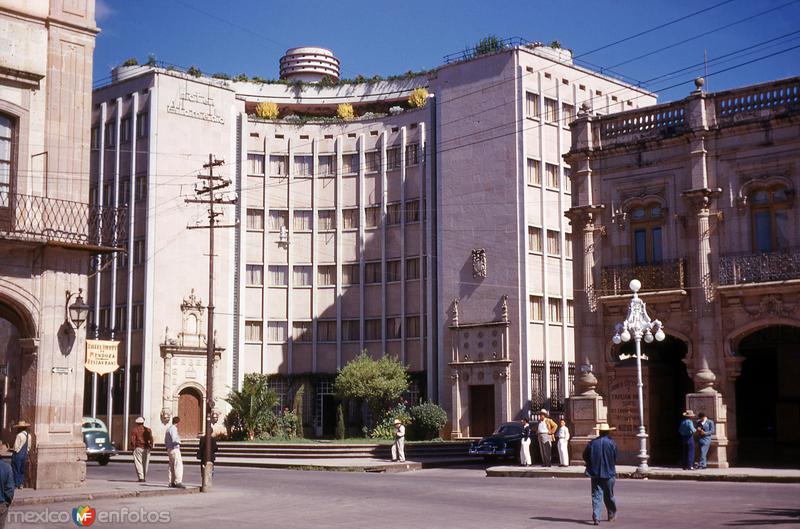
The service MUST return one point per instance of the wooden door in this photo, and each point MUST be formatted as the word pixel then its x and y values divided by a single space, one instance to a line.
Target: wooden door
pixel 190 410
pixel 481 410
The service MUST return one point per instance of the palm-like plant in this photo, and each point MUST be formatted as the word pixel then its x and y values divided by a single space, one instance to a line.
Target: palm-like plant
pixel 253 404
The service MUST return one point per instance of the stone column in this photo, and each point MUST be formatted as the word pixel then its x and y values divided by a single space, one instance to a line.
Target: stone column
pixel 166 408
pixel 456 418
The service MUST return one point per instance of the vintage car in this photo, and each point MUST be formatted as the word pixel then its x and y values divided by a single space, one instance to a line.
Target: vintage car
pixel 504 442
pixel 98 445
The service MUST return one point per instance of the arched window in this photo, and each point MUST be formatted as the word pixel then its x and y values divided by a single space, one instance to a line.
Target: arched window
pixel 646 230
pixel 769 209
pixel 7 126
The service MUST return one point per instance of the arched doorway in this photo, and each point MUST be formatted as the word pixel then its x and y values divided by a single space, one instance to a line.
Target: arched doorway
pixel 10 354
pixel 190 410
pixel 768 397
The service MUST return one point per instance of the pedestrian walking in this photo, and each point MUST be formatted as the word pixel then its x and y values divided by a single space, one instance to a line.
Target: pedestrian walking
pixel 525 444
pixel 544 431
pixel 687 430
pixel 562 443
pixel 705 431
pixel 398 448
pixel 172 442
pixel 142 443
pixel 19 458
pixel 6 491
pixel 600 457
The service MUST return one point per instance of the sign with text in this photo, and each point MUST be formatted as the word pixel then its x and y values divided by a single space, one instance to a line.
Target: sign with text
pixel 102 356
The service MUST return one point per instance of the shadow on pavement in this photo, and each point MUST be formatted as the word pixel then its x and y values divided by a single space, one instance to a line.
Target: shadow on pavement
pixel 580 521
pixel 789 516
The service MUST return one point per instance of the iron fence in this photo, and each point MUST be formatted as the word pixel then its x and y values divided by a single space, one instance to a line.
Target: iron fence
pixel 666 275
pixel 740 268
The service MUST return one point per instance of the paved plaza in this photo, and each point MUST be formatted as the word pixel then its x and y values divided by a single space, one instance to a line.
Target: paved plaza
pixel 436 498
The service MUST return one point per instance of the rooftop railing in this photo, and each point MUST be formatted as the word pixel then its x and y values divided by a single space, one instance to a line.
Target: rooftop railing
pixel 756 101
pixel 744 268
pixel 656 121
pixel 666 275
pixel 45 219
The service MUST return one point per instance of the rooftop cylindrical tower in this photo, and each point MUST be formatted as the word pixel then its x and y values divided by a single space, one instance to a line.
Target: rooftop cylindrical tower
pixel 309 64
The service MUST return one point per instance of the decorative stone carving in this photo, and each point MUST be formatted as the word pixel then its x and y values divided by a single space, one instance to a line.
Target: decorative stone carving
pixel 764 182
pixel 479 263
pixel 586 382
pixel 455 313
pixel 505 307
pixel 772 305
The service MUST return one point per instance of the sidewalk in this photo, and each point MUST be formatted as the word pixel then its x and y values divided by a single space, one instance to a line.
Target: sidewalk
pixel 97 489
pixel 737 474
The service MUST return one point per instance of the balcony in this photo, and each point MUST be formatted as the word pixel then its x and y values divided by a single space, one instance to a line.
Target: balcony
pixel 61 222
pixel 744 268
pixel 666 275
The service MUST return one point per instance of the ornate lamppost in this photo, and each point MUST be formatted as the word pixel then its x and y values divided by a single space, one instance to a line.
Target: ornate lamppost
pixel 639 326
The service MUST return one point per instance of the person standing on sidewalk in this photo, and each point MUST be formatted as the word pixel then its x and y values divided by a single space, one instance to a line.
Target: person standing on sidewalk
pixel 6 491
pixel 172 442
pixel 525 444
pixel 686 430
pixel 562 442
pixel 544 432
pixel 600 457
pixel 19 459
pixel 142 442
pixel 705 430
pixel 398 448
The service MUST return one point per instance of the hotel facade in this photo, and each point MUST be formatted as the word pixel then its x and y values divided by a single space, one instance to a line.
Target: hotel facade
pixel 433 233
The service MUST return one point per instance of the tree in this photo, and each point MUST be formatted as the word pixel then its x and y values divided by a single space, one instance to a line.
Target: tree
pixel 379 383
pixel 298 409
pixel 252 404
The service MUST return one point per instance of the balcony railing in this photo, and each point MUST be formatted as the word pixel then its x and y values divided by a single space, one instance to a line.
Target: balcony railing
pixel 666 275
pixel 649 122
pixel 44 219
pixel 757 101
pixel 742 268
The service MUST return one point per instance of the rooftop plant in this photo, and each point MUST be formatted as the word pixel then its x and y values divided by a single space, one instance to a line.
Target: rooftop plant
pixel 220 75
pixel 131 62
pixel 194 71
pixel 418 98
pixel 345 111
pixel 267 110
pixel 487 45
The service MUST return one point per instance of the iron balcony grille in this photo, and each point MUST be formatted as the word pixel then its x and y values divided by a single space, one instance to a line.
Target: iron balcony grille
pixel 741 268
pixel 45 219
pixel 666 275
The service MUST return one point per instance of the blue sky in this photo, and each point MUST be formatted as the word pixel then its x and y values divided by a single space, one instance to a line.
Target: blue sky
pixel 385 38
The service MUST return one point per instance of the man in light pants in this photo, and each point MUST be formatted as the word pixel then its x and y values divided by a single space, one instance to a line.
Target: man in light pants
pixel 141 442
pixel 172 442
pixel 525 444
pixel 398 448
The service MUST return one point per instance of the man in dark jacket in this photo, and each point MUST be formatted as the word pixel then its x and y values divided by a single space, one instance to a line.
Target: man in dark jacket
pixel 6 491
pixel 600 457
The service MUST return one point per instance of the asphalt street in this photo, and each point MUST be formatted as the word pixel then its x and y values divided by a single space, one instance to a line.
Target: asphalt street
pixel 436 498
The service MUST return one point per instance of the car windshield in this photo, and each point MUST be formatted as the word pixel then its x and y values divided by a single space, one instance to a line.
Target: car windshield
pixel 506 429
pixel 92 425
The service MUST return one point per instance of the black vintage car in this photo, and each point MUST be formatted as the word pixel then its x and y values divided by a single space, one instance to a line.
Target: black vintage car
pixel 504 442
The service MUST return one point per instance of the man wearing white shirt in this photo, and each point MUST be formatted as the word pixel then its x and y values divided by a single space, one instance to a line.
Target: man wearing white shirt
pixel 172 442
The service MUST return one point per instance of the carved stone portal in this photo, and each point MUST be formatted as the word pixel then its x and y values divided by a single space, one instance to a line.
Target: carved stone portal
pixel 479 263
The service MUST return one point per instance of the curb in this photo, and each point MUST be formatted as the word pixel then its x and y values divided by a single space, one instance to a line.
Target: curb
pixel 102 495
pixel 657 475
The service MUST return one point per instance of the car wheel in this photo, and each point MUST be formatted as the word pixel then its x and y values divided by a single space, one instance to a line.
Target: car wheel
pixel 103 460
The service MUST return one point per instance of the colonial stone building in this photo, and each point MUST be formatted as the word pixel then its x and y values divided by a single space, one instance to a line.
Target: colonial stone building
pixel 697 200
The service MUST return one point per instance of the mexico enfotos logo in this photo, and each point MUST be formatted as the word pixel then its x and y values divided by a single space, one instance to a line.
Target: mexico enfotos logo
pixel 86 516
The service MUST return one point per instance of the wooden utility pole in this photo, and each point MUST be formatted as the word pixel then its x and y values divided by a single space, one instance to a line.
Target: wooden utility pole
pixel 210 194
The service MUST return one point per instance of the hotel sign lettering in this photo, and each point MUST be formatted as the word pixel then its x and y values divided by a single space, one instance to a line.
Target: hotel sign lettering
pixel 102 356
pixel 195 105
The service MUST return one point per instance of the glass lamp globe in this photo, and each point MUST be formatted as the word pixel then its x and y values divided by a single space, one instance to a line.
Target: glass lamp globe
pixel 616 339
pixel 626 336
pixel 648 337
pixel 660 335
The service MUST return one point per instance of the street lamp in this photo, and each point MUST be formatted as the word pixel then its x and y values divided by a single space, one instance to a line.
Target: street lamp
pixel 639 325
pixel 78 310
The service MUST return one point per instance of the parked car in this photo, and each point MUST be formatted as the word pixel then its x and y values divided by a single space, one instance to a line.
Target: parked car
pixel 98 444
pixel 504 442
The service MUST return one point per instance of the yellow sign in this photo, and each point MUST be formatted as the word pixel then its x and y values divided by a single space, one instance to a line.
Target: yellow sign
pixel 101 356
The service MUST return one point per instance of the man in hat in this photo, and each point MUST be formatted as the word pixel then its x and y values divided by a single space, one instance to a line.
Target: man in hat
pixel 687 430
pixel 142 442
pixel 398 448
pixel 705 429
pixel 600 457
pixel 19 459
pixel 544 433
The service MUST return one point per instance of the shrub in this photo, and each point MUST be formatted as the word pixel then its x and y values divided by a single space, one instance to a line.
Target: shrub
pixel 293 118
pixel 418 98
pixel 242 77
pixel 194 71
pixel 427 419
pixel 298 409
pixel 328 81
pixel 287 426
pixel 384 429
pixel 341 428
pixel 486 45
pixel 252 406
pixel 345 111
pixel 151 60
pixel 395 110
pixel 131 62
pixel 267 110
pixel 220 75
pixel 555 45
pixel 378 383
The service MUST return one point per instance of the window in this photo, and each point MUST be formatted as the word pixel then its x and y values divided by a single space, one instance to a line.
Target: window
pixel 327 219
pixel 142 126
pixel 255 275
pixel 550 110
pixel 279 165
pixel 771 226
pixel 107 194
pixel 567 180
pixel 255 164
pixel 303 165
pixel 350 163
pixel 412 154
pixel 105 315
pixel 551 174
pixel 111 133
pixel 646 233
pixel 567 114
pixel 138 252
pixel 412 326
pixel 412 268
pixel 255 219
pixel 252 331
pixel 326 330
pixel 351 330
pixel 277 331
pixel 302 219
pixel 125 130
pixel 141 187
pixel 122 260
pixel 95 134
pixel 302 276
pixel 372 161
pixel 6 150
pixel 554 310
pixel 568 245
pixel 393 214
pixel 372 329
pixel 532 105
pixel 393 158
pixel 534 239
pixel 350 275
pixel 121 318
pixel 392 271
pixel 535 303
pixel 278 218
pixel 301 331
pixel 553 243
pixel 394 328
pixel 350 219
pixel 326 275
pixel 137 317
pixel 278 275
pixel 124 191
pixel 372 216
pixel 534 172
pixel 372 272
pixel 570 312
pixel 412 210
pixel 327 165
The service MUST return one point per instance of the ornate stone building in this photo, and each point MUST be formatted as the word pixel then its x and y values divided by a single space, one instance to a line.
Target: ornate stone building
pixel 696 199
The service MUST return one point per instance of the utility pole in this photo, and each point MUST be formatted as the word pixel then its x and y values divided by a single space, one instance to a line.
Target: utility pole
pixel 209 193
